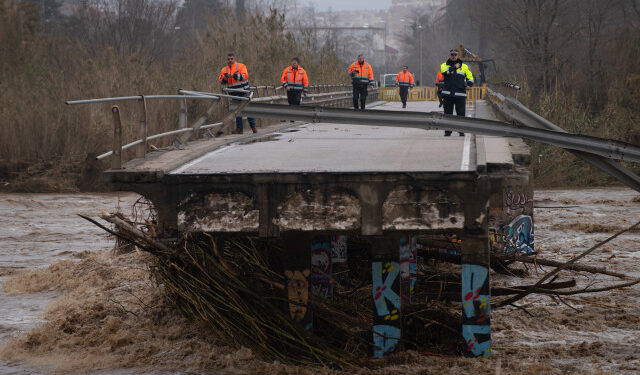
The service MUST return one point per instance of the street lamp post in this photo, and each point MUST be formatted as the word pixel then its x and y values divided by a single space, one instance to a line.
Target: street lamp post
pixel 420 32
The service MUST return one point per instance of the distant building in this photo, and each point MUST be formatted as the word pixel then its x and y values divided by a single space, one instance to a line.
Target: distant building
pixel 374 33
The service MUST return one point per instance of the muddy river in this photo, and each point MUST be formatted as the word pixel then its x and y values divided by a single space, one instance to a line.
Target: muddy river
pixel 68 305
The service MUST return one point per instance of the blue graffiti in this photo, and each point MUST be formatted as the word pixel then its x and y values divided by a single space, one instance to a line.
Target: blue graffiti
pixel 476 308
pixel 474 347
pixel 408 266
pixel 474 292
pixel 385 340
pixel 519 235
pixel 382 291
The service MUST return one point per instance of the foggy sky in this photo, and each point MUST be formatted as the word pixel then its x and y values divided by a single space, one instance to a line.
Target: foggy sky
pixel 322 5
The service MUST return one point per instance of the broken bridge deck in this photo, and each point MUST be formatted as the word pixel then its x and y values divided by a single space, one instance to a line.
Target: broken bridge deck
pixel 294 181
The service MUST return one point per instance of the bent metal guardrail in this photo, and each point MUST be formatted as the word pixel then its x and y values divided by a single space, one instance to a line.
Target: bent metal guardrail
pixel 434 120
pixel 513 110
pixel 319 94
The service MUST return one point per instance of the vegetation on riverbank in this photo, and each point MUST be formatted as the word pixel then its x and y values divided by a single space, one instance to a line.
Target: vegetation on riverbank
pixel 142 48
pixel 581 71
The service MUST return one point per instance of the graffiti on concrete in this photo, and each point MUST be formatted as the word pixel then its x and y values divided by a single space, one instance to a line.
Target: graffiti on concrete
pixel 517 201
pixel 298 292
pixel 339 249
pixel 515 238
pixel 511 226
pixel 408 265
pixel 476 310
pixel 387 325
pixel 520 235
pixel 386 339
pixel 321 267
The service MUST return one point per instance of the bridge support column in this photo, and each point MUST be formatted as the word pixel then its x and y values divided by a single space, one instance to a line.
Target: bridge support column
pixel 408 267
pixel 476 298
pixel 385 274
pixel 339 257
pixel 296 263
pixel 321 267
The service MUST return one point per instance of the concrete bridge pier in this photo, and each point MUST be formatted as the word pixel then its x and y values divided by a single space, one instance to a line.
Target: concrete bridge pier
pixel 310 187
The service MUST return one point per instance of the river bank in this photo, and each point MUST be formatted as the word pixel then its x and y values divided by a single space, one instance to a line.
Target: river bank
pixel 72 306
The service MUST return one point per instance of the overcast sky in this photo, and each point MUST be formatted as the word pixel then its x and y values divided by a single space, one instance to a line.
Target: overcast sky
pixel 322 5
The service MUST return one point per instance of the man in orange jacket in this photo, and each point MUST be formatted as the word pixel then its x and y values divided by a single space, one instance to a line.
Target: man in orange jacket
pixel 236 76
pixel 361 77
pixel 404 80
pixel 295 81
pixel 439 84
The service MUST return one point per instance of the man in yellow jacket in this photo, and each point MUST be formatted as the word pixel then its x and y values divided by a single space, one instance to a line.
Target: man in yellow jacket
pixel 404 80
pixel 361 77
pixel 295 81
pixel 457 77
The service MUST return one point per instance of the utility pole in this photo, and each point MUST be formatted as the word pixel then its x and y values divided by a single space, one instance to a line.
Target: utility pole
pixel 420 32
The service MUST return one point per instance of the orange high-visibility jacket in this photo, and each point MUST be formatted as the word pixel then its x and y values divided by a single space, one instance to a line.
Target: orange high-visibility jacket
pixel 404 79
pixel 363 73
pixel 296 79
pixel 239 76
pixel 440 79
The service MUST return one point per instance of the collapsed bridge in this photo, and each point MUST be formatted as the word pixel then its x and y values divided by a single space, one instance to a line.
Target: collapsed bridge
pixel 385 174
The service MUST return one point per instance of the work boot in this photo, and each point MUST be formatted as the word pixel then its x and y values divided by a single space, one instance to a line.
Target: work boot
pixel 237 131
pixel 254 129
pixel 404 106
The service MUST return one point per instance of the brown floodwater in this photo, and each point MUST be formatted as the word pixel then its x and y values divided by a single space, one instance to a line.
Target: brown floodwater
pixel 37 230
pixel 68 305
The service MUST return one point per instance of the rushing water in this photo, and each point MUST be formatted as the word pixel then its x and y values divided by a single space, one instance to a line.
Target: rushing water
pixel 37 230
pixel 598 333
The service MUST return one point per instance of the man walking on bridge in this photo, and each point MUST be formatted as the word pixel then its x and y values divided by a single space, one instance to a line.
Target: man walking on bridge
pixel 404 80
pixel 236 77
pixel 457 77
pixel 295 81
pixel 361 77
pixel 439 84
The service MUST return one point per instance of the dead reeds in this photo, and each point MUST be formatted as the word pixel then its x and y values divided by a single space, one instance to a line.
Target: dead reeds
pixel 83 57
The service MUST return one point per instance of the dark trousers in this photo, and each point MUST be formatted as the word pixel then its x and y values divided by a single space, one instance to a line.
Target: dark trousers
pixel 294 97
pixel 252 121
pixel 449 103
pixel 360 92
pixel 404 92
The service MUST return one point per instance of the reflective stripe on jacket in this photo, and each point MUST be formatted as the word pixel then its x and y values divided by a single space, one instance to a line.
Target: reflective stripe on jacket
pixel 242 80
pixel 295 78
pixel 455 80
pixel 364 73
pixel 404 79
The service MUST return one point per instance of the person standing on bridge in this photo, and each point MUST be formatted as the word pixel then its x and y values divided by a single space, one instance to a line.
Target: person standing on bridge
pixel 404 80
pixel 236 77
pixel 439 84
pixel 361 77
pixel 295 81
pixel 457 77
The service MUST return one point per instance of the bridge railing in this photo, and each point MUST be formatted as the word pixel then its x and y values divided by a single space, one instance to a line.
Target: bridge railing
pixel 507 105
pixel 334 95
pixel 428 93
